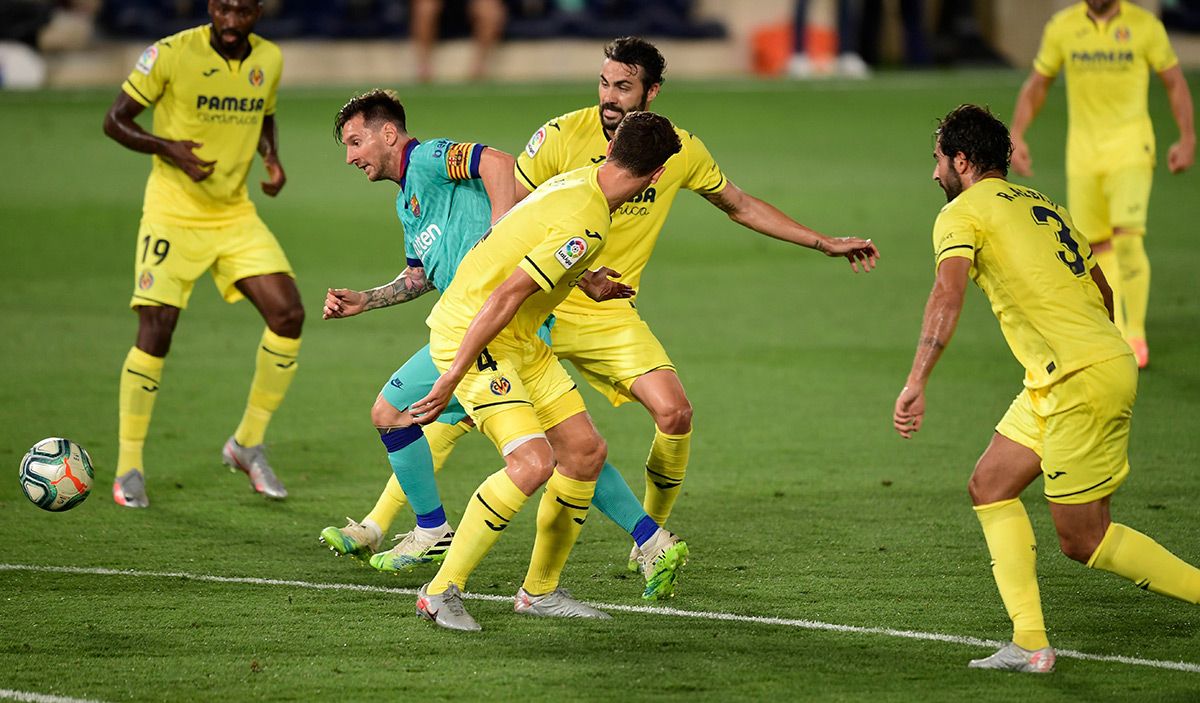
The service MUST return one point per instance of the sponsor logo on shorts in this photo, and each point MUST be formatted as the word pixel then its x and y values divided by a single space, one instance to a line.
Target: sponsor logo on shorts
pixel 535 142
pixel 570 253
pixel 414 206
pixel 256 77
pixel 146 61
pixel 146 280
pixel 500 386
pixel 397 383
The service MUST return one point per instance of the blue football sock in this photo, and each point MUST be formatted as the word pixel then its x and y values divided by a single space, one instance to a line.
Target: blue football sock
pixel 434 519
pixel 644 530
pixel 614 498
pixel 412 462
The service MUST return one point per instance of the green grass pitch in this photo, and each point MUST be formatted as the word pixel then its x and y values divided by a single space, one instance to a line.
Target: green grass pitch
pixel 801 502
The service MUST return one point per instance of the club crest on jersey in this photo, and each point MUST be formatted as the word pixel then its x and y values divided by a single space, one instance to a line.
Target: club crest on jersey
pixel 570 253
pixel 500 386
pixel 146 280
pixel 256 77
pixel 146 61
pixel 535 142
pixel 414 206
pixel 1122 34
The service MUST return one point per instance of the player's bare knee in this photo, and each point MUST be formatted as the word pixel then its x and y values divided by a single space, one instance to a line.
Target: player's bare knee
pixel 156 326
pixel 385 416
pixel 593 456
pixel 533 460
pixel 287 321
pixel 981 489
pixel 1078 547
pixel 675 418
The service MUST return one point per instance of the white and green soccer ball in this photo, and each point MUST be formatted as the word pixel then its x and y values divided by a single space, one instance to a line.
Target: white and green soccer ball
pixel 56 474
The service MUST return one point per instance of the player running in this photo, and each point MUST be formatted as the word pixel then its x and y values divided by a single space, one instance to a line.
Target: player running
pixel 1107 49
pixel 1070 424
pixel 484 339
pixel 213 93
pixel 449 195
pixel 608 342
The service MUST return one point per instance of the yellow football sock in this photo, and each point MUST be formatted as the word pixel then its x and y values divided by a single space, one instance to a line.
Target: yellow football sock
pixel 1126 552
pixel 1111 266
pixel 1135 282
pixel 561 514
pixel 489 511
pixel 140 376
pixel 390 502
pixel 274 368
pixel 665 468
pixel 441 438
pixel 1013 548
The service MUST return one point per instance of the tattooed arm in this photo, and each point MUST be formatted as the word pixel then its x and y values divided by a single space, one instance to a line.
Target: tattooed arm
pixel 941 317
pixel 763 217
pixel 409 285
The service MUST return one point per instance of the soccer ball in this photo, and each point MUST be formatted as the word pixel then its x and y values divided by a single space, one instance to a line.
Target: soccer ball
pixel 56 474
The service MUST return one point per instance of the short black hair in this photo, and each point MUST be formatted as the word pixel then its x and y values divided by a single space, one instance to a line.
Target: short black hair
pixel 375 106
pixel 643 142
pixel 979 135
pixel 636 51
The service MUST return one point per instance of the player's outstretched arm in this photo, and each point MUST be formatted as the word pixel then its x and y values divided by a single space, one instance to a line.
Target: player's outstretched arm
pixel 409 285
pixel 268 149
pixel 941 317
pixel 496 170
pixel 1029 104
pixel 497 311
pixel 1182 153
pixel 599 286
pixel 762 217
pixel 119 125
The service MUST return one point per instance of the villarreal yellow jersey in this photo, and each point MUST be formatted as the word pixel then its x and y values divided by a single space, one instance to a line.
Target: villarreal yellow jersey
pixel 554 235
pixel 200 96
pixel 1107 67
pixel 577 139
pixel 1036 272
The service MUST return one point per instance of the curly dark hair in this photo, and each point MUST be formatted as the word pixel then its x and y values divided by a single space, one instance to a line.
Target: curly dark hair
pixel 643 142
pixel 636 51
pixel 979 135
pixel 375 106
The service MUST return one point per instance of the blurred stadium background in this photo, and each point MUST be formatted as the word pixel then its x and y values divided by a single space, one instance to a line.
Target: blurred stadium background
pixel 78 43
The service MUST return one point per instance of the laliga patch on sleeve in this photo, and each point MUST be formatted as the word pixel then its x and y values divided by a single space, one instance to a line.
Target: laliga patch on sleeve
pixel 146 61
pixel 535 142
pixel 569 254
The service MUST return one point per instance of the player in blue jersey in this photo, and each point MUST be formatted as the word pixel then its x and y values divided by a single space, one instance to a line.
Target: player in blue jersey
pixel 450 192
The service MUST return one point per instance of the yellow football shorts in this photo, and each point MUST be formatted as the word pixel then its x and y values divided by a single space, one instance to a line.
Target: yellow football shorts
pixel 169 260
pixel 1101 202
pixel 512 393
pixel 1080 428
pixel 611 349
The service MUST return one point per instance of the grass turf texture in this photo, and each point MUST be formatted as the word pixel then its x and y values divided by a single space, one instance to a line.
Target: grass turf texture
pixel 801 502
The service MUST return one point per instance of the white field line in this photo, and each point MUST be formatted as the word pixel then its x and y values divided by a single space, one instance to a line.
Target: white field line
pixel 28 697
pixel 647 610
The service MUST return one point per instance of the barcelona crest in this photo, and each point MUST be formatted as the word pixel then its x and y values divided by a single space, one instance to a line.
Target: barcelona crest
pixel 256 77
pixel 414 206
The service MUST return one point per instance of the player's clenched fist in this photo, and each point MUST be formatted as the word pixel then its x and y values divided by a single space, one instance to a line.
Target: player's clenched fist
pixel 343 302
